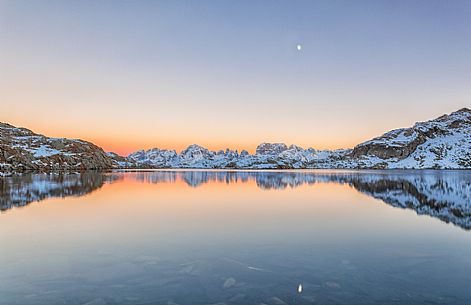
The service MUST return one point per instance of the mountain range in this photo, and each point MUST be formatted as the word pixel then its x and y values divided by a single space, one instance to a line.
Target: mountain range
pixel 441 143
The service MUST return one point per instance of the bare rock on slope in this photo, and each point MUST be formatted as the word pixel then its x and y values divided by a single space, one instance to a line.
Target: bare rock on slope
pixel 444 142
pixel 21 149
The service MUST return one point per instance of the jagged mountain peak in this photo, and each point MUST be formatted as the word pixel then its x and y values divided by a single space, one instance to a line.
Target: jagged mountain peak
pixel 195 147
pixel 270 148
pixel 444 142
pixel 6 125
pixel 463 114
pixel 463 110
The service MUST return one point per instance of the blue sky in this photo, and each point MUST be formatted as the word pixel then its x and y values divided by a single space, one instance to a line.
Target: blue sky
pixel 141 74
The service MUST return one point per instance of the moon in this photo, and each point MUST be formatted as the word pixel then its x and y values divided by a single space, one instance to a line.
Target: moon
pixel 300 288
pixel 299 47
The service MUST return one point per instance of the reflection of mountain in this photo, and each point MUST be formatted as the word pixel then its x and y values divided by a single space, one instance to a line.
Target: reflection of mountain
pixel 442 194
pixel 17 191
pixel 446 196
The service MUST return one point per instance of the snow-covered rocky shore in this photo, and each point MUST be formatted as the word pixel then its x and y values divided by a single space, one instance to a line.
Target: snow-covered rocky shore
pixel 442 143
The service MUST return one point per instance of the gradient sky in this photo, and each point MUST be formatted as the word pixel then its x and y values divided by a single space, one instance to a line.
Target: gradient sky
pixel 141 74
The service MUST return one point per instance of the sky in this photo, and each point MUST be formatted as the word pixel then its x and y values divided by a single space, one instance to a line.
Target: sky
pixel 131 75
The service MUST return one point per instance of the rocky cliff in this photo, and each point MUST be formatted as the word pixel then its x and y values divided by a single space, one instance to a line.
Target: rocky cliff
pixel 21 149
pixel 442 143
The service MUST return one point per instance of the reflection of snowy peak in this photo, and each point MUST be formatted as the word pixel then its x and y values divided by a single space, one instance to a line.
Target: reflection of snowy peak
pixel 17 191
pixel 446 196
pixel 443 195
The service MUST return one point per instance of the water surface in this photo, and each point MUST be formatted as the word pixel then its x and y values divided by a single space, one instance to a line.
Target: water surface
pixel 218 237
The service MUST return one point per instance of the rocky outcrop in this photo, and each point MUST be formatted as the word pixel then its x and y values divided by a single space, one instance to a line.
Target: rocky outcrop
pixel 21 149
pixel 159 158
pixel 268 156
pixel 384 147
pixel 271 148
pixel 443 143
pixel 126 162
pixel 196 156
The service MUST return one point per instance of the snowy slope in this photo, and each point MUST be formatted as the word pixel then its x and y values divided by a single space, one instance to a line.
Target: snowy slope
pixel 21 149
pixel 442 143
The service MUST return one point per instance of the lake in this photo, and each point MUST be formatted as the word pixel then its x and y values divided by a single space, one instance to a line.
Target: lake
pixel 236 237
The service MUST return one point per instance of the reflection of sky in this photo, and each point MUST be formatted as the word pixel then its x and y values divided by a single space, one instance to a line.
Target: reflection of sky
pixel 217 212
pixel 131 75
pixel 171 237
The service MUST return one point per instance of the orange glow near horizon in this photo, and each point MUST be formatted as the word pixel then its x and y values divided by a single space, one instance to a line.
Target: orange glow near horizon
pixel 138 76
pixel 204 207
pixel 124 144
pixel 110 198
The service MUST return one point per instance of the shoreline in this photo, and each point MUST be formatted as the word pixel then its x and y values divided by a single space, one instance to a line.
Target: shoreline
pixel 196 169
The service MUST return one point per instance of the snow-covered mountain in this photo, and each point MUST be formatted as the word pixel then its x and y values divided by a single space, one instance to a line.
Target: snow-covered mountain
pixel 21 149
pixel 442 143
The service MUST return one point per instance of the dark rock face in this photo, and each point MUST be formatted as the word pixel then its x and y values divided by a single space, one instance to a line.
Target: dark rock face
pixel 125 162
pixel 271 148
pixel 442 143
pixel 384 151
pixel 401 143
pixel 196 152
pixel 21 149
